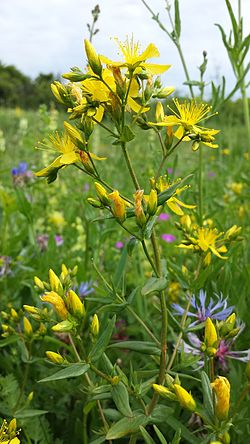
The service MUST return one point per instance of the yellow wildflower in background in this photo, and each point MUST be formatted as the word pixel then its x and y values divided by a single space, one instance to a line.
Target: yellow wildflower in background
pixel 221 387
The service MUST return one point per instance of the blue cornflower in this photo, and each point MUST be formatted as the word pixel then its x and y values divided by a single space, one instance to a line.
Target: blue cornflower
pixel 216 309
pixel 85 288
pixel 21 169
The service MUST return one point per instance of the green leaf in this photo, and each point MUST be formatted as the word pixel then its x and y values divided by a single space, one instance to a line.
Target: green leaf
pixel 149 227
pixel 160 435
pixel 8 341
pixel 177 18
pixel 127 134
pixel 154 285
pixel 185 433
pixel 103 340
pixel 148 348
pixel 207 395
pixel 177 437
pixel 29 413
pixel 126 426
pixel 99 440
pixel 147 438
pixel 71 371
pixel 121 399
pixel 234 22
pixel 165 195
pixel 120 268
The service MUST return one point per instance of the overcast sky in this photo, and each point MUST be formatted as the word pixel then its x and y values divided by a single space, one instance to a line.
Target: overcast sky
pixel 47 35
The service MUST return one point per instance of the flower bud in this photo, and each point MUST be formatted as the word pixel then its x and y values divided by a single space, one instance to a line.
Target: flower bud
pixel 164 392
pixel 94 203
pixel 12 426
pixel 159 112
pixel 185 399
pixel 56 358
pixel 195 145
pixel 139 212
pixel 232 232
pixel 14 314
pixel 31 309
pixel 221 386
pixel 152 202
pixel 102 194
pixel 64 326
pixel 58 303
pixel 94 328
pixel 76 76
pixel 28 330
pixel 74 135
pixel 228 325
pixel 119 209
pixel 210 333
pixel 30 396
pixel 54 280
pixel 38 283
pixel 75 305
pixel 59 91
pixel 93 58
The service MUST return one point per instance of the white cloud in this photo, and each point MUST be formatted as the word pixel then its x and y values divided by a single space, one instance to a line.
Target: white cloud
pixel 47 35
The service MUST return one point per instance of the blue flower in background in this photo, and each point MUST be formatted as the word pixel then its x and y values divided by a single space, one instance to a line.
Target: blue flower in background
pixel 215 309
pixel 85 288
pixel 20 170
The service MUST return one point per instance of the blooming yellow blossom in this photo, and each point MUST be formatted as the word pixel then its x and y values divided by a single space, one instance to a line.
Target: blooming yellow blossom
pixel 133 58
pixel 187 117
pixel 8 432
pixel 70 154
pixel 173 202
pixel 221 387
pixel 206 240
pixel 185 399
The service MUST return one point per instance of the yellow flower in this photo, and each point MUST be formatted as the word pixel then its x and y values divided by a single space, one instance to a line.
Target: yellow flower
pixel 70 154
pixel 174 291
pixel 210 337
pixel 8 432
pixel 237 187
pixel 185 399
pixel 173 202
pixel 188 116
pixel 57 219
pixel 139 213
pixel 221 386
pixel 133 58
pixel 205 239
pixel 58 303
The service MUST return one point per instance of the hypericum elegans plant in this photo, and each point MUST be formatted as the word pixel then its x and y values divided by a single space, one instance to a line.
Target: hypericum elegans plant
pixel 124 98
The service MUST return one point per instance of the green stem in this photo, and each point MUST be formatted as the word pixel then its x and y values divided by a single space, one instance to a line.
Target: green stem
pixel 100 373
pixel 200 185
pixel 182 325
pixel 142 323
pixel 164 326
pixel 129 165
pixel 175 40
pixel 105 127
pixel 246 112
pixel 148 257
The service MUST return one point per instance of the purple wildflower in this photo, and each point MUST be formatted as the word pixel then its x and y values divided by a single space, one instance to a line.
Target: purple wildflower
pixel 119 245
pixel 211 174
pixel 164 216
pixel 170 170
pixel 42 241
pixel 216 309
pixel 224 350
pixel 58 240
pixel 169 238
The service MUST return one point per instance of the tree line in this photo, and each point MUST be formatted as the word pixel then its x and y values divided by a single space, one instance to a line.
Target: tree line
pixel 18 89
